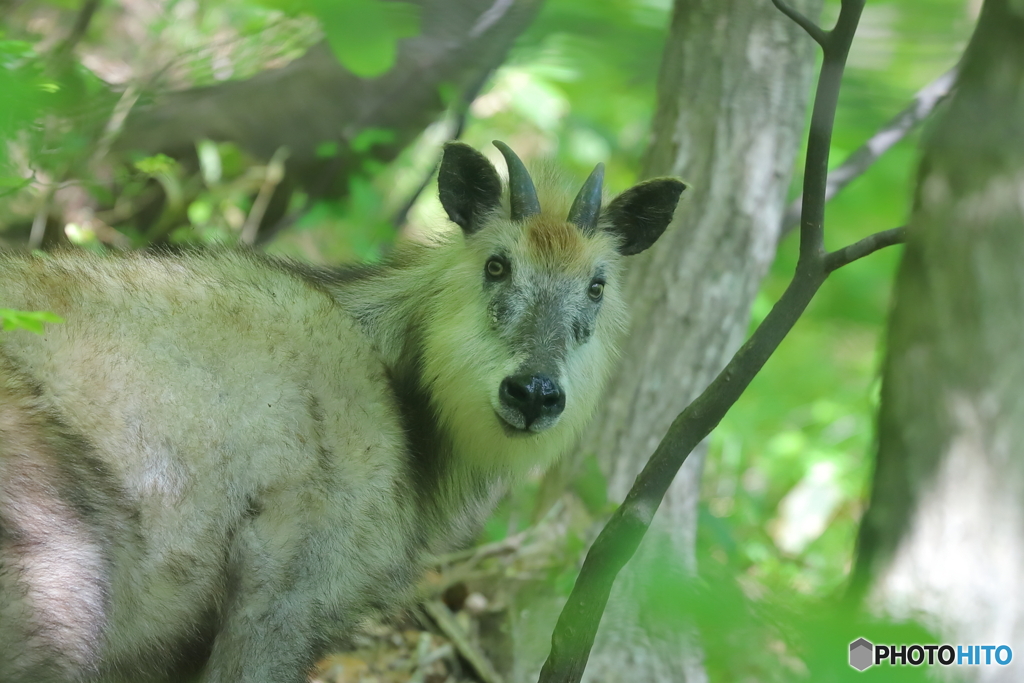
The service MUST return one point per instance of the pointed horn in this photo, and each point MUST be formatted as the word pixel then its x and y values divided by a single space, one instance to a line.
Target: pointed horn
pixel 587 205
pixel 522 194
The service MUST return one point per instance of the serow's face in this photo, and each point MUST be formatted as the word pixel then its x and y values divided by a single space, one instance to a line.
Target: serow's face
pixel 549 283
pixel 544 285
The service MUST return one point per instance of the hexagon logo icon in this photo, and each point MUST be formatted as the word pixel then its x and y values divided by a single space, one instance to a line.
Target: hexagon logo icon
pixel 861 654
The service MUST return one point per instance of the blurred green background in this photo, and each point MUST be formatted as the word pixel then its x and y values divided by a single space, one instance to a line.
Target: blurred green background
pixel 788 470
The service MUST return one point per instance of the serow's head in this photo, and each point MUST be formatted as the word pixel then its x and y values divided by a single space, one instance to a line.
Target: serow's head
pixel 539 291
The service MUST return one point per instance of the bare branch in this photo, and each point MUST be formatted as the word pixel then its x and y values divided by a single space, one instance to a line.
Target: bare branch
pixel 116 123
pixel 813 30
pixel 897 128
pixel 272 177
pixel 836 49
pixel 574 634
pixel 460 112
pixel 82 22
pixel 35 236
pixel 446 621
pixel 493 14
pixel 868 245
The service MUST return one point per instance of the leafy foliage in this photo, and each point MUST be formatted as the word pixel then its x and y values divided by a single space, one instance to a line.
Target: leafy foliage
pixel 807 419
pixel 787 472
pixel 363 34
pixel 750 634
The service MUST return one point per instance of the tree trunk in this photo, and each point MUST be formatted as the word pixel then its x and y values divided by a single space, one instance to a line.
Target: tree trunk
pixel 732 99
pixel 316 100
pixel 943 537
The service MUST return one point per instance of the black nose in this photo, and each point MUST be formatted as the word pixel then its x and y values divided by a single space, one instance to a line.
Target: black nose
pixel 532 395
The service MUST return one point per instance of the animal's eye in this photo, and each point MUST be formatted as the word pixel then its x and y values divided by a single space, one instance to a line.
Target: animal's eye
pixel 596 290
pixel 496 268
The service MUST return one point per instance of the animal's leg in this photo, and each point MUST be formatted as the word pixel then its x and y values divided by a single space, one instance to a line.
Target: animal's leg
pixel 274 622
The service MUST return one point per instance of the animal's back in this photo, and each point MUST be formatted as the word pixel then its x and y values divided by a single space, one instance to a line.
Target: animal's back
pixel 197 395
pixel 210 452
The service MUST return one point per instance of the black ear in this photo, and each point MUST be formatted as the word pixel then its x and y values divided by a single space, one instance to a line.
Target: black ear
pixel 467 185
pixel 640 214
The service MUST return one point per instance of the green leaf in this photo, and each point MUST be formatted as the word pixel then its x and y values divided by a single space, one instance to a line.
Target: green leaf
pixel 448 92
pixel 23 101
pixel 363 34
pixel 199 212
pixel 156 164
pixel 592 486
pixel 32 321
pixel 15 54
pixel 12 184
pixel 327 150
pixel 370 137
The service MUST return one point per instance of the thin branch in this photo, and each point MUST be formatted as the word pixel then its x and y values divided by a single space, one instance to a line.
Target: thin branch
pixel 82 22
pixel 490 17
pixel 446 621
pixel 615 545
pixel 38 231
pixel 115 124
pixel 272 177
pixel 461 113
pixel 508 544
pixel 574 634
pixel 151 81
pixel 897 128
pixel 487 23
pixel 823 115
pixel 813 30
pixel 14 189
pixel 402 215
pixel 868 245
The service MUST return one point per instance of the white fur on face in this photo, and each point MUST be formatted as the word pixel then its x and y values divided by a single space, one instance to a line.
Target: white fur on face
pixel 466 359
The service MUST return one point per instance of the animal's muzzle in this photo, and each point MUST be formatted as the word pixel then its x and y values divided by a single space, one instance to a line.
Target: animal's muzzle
pixel 537 398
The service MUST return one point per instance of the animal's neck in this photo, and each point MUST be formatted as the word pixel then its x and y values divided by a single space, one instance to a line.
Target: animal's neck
pixel 454 494
pixel 392 303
